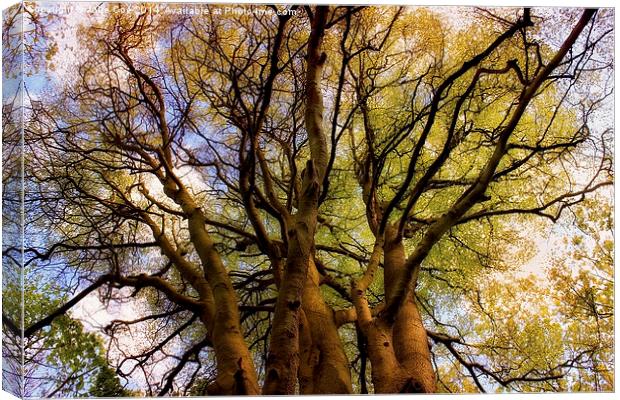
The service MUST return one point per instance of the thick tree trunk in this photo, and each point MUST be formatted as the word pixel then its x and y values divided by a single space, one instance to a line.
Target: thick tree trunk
pixel 388 376
pixel 325 368
pixel 398 349
pixel 306 355
pixel 283 356
pixel 235 369
pixel 412 349
pixel 236 373
pixel 408 332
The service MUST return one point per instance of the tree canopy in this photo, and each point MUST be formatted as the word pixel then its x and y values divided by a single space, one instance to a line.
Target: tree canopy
pixel 317 199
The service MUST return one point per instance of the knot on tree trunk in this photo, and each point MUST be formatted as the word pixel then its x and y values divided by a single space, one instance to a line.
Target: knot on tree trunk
pixel 310 179
pixel 241 380
pixel 293 305
pixel 412 386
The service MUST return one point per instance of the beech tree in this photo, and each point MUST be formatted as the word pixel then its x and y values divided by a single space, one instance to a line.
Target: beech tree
pixel 328 199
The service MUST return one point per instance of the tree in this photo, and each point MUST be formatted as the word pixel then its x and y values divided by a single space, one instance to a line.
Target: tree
pixel 585 295
pixel 107 384
pixel 61 358
pixel 302 199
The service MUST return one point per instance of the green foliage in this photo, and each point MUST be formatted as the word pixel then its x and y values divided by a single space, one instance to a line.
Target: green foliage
pixel 63 357
pixel 107 384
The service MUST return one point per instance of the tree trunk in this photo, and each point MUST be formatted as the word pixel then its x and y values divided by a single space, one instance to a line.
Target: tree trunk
pixel 412 348
pixel 236 373
pixel 325 368
pixel 283 356
pixel 235 369
pixel 398 350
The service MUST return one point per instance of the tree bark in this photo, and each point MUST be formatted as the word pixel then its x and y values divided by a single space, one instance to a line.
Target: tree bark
pixel 326 369
pixel 283 356
pixel 412 349
pixel 236 372
pixel 408 332
pixel 398 349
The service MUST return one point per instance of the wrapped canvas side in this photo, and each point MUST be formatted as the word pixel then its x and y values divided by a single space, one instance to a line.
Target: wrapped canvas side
pixel 12 201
